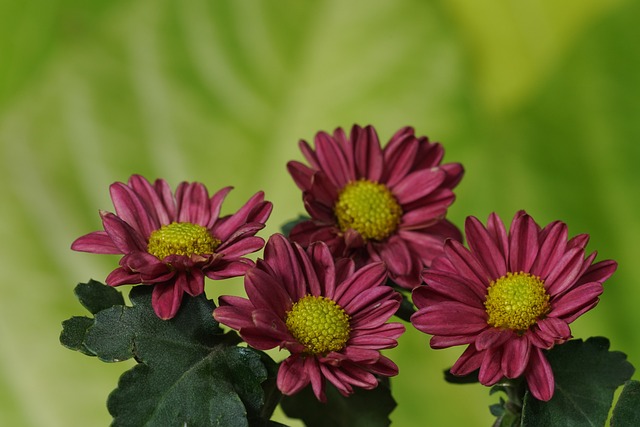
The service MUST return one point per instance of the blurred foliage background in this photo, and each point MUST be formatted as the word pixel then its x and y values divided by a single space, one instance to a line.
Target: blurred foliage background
pixel 539 100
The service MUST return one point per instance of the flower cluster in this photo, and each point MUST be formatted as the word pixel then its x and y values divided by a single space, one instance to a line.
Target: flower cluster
pixel 377 215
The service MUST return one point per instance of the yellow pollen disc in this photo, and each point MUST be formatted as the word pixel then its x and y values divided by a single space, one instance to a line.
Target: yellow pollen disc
pixel 516 301
pixel 319 324
pixel 181 238
pixel 369 208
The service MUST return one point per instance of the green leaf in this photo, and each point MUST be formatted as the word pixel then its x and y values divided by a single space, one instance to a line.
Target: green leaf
pixel 365 408
pixel 461 379
pixel 95 296
pixel 189 372
pixel 220 389
pixel 627 410
pixel 74 331
pixel 586 376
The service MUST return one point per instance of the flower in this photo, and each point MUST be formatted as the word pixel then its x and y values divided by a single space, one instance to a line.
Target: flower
pixel 373 204
pixel 330 317
pixel 173 241
pixel 509 297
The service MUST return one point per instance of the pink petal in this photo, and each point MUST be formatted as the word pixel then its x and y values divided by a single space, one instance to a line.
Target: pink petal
pixel 565 273
pixel 540 376
pixel 227 269
pixel 301 174
pixel 365 278
pixel 368 154
pixel 491 369
pixel 97 242
pixel 121 276
pixel 131 209
pixel 469 361
pixel 241 247
pixel 375 316
pixel 193 204
pixel 427 214
pixel 265 292
pixel 280 256
pixel 523 244
pixel 235 312
pixel 454 172
pixel 449 318
pixel 554 330
pixel 292 375
pixel 515 356
pixel 484 248
pixel 332 160
pixel 151 198
pixel 330 373
pixel 576 299
pixel 385 336
pixel 466 264
pixel 123 236
pixel 453 287
pixel 166 299
pixel 552 247
pixel 192 282
pixel 438 342
pixel 235 221
pixel 324 268
pixel 215 205
pixel 384 366
pixel 599 272
pixel 418 184
pixel 493 337
pixel 399 155
pixel 404 266
pixel 496 229
pixel 309 153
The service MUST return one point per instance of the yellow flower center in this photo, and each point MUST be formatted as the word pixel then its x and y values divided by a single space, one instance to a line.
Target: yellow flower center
pixel 369 208
pixel 516 301
pixel 181 238
pixel 319 324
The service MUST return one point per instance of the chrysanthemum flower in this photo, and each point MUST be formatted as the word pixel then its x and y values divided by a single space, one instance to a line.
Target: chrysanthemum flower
pixel 509 297
pixel 330 317
pixel 173 241
pixel 377 204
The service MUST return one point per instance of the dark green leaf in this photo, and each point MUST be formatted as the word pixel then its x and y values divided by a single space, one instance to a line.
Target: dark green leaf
pixel 627 410
pixel 189 372
pixel 586 376
pixel 220 389
pixel 461 379
pixel 365 408
pixel 73 333
pixel 95 296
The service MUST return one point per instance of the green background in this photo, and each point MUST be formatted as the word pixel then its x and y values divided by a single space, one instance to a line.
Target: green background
pixel 540 100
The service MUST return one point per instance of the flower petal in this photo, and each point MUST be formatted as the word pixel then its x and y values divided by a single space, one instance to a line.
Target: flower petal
pixel 418 184
pixel 292 375
pixel 367 153
pixel 515 356
pixel 484 248
pixel 523 243
pixel 166 299
pixel 449 318
pixel 540 376
pixel 97 242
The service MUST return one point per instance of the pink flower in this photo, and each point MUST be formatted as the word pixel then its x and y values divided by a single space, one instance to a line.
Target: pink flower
pixel 373 204
pixel 173 241
pixel 509 297
pixel 330 317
